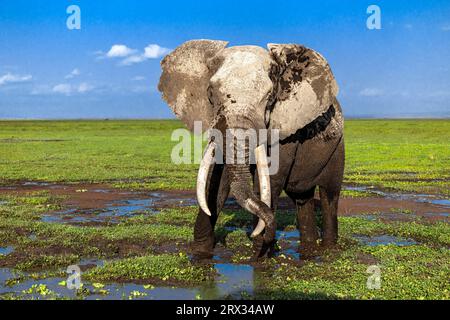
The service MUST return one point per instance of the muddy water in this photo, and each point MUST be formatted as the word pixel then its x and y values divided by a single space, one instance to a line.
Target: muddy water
pixel 99 205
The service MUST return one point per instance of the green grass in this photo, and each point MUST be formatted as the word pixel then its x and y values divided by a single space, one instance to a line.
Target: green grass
pixel 166 267
pixel 414 272
pixel 407 155
pixel 407 272
pixel 92 151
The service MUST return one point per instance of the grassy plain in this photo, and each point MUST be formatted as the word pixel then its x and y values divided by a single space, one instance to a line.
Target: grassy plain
pixel 406 155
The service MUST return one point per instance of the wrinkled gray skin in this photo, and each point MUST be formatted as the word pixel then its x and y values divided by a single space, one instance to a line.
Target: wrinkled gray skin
pixel 287 87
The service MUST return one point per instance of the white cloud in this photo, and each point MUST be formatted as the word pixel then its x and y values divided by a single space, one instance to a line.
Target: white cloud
pixel 68 89
pixel 74 73
pixel 446 27
pixel 41 89
pixel 119 51
pixel 138 78
pixel 131 56
pixel 132 60
pixel 371 92
pixel 62 88
pixel 84 87
pixel 154 51
pixel 14 78
pixel 408 26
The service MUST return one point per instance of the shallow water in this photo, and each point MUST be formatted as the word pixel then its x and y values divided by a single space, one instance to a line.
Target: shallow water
pixel 404 196
pixel 438 214
pixel 6 250
pixel 233 281
pixel 441 202
pixel 117 209
pixel 384 240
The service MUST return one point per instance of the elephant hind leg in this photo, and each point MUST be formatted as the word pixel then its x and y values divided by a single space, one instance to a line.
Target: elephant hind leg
pixel 329 202
pixel 330 190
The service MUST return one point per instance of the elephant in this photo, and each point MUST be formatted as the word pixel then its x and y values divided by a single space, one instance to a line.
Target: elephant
pixel 286 87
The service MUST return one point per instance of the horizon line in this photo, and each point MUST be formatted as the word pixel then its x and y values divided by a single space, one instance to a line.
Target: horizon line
pixel 175 119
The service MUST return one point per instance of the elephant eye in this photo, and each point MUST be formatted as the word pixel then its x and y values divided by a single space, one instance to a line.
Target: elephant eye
pixel 210 94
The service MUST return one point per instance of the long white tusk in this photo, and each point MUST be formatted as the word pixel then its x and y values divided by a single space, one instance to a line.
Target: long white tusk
pixel 202 178
pixel 264 184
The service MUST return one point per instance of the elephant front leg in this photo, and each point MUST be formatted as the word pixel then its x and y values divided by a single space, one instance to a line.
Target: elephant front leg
pixel 260 247
pixel 217 193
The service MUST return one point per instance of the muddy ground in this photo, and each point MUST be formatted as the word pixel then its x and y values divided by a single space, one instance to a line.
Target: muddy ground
pixel 96 199
pixel 100 204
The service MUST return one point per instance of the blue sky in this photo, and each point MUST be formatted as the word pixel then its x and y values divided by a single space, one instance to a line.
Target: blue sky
pixel 105 71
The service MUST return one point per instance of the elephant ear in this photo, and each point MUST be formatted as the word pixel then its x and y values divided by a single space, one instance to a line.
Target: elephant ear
pixel 306 88
pixel 185 79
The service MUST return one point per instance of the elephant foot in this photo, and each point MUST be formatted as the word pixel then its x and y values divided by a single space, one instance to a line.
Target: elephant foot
pixel 329 243
pixel 262 249
pixel 308 249
pixel 202 250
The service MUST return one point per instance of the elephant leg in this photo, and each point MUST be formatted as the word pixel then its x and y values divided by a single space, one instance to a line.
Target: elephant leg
pixel 329 195
pixel 217 193
pixel 306 218
pixel 329 201
pixel 277 182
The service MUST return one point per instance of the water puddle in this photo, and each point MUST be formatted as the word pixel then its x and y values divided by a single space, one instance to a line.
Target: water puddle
pixel 6 250
pixel 115 210
pixel 32 237
pixel 441 202
pixel 288 242
pixel 370 217
pixel 233 281
pixel 427 198
pixel 442 214
pixel 384 240
pixel 90 263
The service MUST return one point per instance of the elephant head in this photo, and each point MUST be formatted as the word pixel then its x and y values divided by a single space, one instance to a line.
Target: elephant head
pixel 246 87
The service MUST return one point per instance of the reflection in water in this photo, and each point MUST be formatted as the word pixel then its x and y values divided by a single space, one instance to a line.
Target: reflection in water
pixel 292 239
pixel 233 281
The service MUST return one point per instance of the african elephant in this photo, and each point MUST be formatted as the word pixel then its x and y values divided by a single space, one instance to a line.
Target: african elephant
pixel 289 88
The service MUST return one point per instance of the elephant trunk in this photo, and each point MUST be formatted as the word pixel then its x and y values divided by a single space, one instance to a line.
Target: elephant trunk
pixel 241 188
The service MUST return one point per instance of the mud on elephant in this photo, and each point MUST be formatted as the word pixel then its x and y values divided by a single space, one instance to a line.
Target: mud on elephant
pixel 289 88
